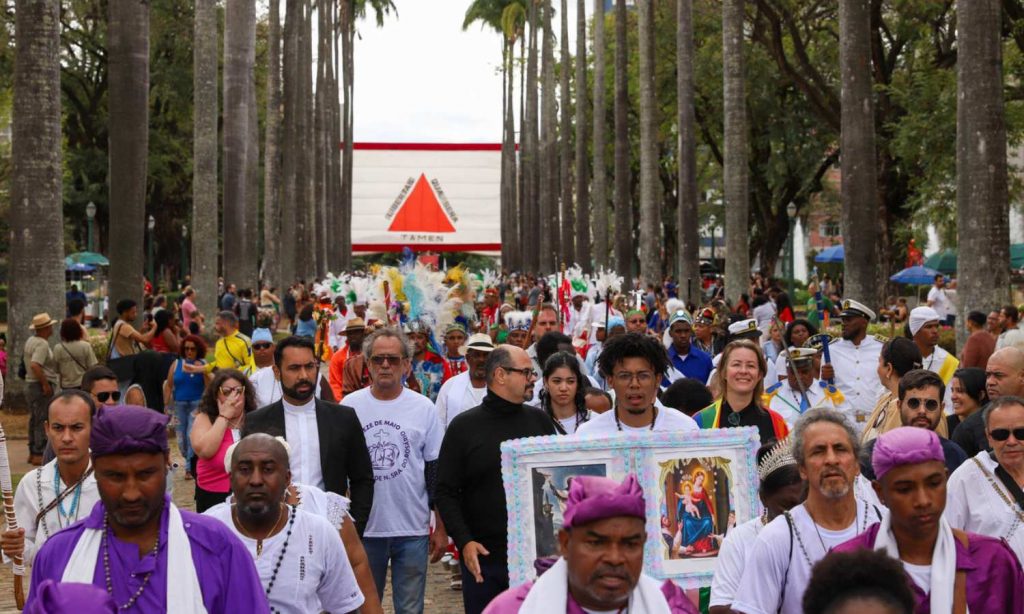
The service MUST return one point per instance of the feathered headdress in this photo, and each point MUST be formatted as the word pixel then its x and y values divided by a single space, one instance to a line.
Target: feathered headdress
pixel 357 290
pixel 518 320
pixel 606 281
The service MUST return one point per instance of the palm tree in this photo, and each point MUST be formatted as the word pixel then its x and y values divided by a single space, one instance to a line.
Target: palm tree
pixel 290 145
pixel 624 251
pixel 204 153
pixel 981 195
pixel 858 192
pixel 650 218
pixel 737 264
pixel 128 75
pixel 548 197
pixel 600 198
pixel 36 218
pixel 566 249
pixel 320 153
pixel 271 163
pixel 239 266
pixel 582 222
pixel 686 226
pixel 530 150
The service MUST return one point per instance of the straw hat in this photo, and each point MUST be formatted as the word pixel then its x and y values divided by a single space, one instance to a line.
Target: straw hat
pixel 41 320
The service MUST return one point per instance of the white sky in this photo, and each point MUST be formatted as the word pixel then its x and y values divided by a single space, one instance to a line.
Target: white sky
pixel 420 78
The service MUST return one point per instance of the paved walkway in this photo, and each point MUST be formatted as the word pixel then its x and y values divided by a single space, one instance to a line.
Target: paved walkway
pixel 440 599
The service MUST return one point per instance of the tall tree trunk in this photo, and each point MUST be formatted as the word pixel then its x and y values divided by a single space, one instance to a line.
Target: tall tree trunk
pixel 582 168
pixel 204 233
pixel 271 270
pixel 510 246
pixel 128 100
pixel 687 222
pixel 981 196
pixel 237 74
pixel 336 244
pixel 290 247
pixel 530 155
pixel 348 54
pixel 568 226
pixel 625 253
pixel 858 191
pixel 36 214
pixel 735 171
pixel 320 140
pixel 601 214
pixel 650 216
pixel 303 198
pixel 251 273
pixel 549 196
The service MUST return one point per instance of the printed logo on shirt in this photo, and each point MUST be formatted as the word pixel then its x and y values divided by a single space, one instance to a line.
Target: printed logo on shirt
pixel 389 449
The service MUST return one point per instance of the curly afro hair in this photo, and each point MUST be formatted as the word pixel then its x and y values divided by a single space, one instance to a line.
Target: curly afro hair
pixel 633 345
pixel 866 576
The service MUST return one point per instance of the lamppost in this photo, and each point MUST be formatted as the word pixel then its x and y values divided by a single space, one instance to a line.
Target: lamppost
pixel 90 212
pixel 791 213
pixel 184 251
pixel 150 225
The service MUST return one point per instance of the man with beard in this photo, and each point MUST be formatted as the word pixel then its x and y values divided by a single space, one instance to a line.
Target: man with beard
pixel 135 543
pixel 63 490
pixel 601 567
pixel 468 388
pixel 944 566
pixel 330 451
pixel 1004 376
pixel 984 493
pixel 920 403
pixel 855 362
pixel 264 380
pixel 301 563
pixel 778 568
pixel 924 330
pixel 470 492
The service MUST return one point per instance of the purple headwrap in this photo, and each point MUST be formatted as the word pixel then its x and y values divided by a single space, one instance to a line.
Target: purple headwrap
pixel 595 498
pixel 906 445
pixel 51 596
pixel 126 429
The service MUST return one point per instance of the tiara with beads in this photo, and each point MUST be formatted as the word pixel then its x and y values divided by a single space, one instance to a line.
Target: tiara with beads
pixel 779 456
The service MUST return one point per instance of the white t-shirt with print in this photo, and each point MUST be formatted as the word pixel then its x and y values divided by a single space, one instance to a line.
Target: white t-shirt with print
pixel 402 435
pixel 667 420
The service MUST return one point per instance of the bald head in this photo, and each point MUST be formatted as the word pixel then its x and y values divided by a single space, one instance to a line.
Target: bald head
pixel 510 373
pixel 1004 374
pixel 263 444
pixel 259 476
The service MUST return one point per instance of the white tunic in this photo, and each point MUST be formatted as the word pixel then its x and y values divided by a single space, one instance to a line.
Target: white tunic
pixel 667 420
pixel 731 561
pixel 856 368
pixel 976 501
pixel 36 491
pixel 778 567
pixel 456 396
pixel 313 575
pixel 578 321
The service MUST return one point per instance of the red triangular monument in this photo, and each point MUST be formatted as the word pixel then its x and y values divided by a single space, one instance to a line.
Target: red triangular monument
pixel 421 211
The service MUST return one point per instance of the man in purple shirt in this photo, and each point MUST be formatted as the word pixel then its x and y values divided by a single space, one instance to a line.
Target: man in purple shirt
pixel 136 544
pixel 944 566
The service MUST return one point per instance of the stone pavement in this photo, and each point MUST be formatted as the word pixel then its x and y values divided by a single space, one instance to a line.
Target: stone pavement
pixel 440 599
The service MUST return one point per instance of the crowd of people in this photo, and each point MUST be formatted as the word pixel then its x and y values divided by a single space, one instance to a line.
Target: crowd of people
pixel 353 425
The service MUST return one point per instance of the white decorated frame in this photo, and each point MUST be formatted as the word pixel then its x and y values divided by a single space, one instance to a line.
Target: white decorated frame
pixel 643 454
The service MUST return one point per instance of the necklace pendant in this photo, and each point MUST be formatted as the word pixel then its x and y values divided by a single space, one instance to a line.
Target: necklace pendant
pixel 259 548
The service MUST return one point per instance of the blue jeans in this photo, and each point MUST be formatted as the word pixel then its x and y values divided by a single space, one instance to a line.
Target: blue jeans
pixel 408 557
pixel 184 411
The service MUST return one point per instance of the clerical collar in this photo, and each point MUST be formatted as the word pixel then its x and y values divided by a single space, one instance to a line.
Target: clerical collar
pixel 307 406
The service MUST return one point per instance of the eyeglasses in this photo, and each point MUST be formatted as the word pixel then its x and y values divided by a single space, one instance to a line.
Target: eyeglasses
pixel 229 391
pixel 103 397
pixel 1004 434
pixel 526 372
pixel 379 360
pixel 929 405
pixel 642 377
pixel 261 346
pixel 190 348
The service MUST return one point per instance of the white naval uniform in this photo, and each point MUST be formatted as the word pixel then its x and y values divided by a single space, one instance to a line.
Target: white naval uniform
pixel 786 400
pixel 856 370
pixel 934 363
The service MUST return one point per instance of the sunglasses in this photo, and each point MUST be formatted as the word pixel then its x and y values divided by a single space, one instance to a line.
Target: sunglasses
pixel 261 346
pixel 103 397
pixel 381 359
pixel 1004 434
pixel 929 405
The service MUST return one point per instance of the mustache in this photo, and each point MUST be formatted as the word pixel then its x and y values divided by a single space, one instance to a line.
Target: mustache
pixel 606 571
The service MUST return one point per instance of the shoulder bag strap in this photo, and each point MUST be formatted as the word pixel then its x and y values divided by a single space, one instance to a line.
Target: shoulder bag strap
pixel 113 338
pixel 68 352
pixel 1010 483
pixel 789 560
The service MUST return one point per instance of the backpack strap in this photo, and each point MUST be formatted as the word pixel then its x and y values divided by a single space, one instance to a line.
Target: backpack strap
pixel 789 560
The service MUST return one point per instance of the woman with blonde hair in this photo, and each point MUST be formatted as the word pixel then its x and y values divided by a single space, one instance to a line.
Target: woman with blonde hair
pixel 740 378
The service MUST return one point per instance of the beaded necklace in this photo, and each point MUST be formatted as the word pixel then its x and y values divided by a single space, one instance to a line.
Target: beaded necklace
pixel 800 541
pixel 654 417
pixel 280 557
pixel 259 540
pixel 71 516
pixel 106 567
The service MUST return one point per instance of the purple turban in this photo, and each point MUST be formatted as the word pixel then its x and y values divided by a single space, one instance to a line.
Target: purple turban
pixel 126 429
pixel 51 596
pixel 595 498
pixel 906 445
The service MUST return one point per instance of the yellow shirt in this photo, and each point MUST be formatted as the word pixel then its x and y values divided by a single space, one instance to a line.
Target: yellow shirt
pixel 233 351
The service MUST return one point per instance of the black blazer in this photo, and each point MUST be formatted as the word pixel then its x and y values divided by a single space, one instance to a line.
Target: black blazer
pixel 344 460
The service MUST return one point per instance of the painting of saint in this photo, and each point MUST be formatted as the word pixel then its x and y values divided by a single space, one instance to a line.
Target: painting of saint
pixel 550 491
pixel 696 511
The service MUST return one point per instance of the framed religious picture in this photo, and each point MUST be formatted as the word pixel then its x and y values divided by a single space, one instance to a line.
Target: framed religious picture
pixel 697 487
pixel 537 472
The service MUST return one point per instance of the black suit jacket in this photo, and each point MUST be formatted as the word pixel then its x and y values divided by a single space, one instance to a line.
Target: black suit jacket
pixel 344 460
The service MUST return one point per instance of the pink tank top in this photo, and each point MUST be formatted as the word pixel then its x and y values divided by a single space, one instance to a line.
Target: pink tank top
pixel 210 474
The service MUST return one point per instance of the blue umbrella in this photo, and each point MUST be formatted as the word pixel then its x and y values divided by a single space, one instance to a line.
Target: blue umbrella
pixel 81 267
pixel 915 276
pixel 835 253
